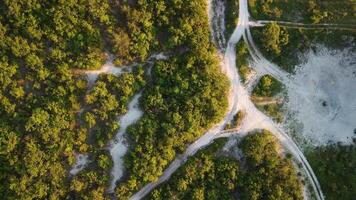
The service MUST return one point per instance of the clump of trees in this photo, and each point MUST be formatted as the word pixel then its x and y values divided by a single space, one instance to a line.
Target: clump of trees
pixel 47 114
pixel 268 175
pixel 267 87
pixel 40 98
pixel 276 38
pixel 106 101
pixel 237 120
pixel 186 94
pixel 267 90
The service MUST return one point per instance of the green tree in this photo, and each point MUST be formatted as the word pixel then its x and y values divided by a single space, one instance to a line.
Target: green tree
pixel 276 38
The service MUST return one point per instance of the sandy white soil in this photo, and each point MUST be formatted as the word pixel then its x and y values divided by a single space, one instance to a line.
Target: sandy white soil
pixel 107 68
pixel 82 161
pixel 322 96
pixel 216 16
pixel 118 147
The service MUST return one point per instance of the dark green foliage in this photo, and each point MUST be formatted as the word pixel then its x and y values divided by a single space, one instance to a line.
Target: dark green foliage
pixel 268 175
pixel 47 114
pixel 40 98
pixel 277 38
pixel 335 167
pixel 204 176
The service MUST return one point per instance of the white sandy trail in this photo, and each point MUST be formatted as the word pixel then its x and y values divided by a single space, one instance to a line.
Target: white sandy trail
pixel 117 146
pixel 92 76
pixel 81 162
pixel 110 68
pixel 107 68
pixel 216 11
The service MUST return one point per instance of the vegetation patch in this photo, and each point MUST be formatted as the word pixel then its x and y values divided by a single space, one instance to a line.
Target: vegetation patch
pixel 268 175
pixel 236 121
pixel 231 16
pixel 335 166
pixel 265 97
pixel 204 176
pixel 242 55
pixel 267 87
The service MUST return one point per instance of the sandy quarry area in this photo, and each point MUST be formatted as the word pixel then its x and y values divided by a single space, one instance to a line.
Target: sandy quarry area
pixel 322 96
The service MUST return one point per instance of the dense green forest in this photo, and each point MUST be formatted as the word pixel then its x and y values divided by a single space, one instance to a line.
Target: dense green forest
pixel 48 112
pixel 40 97
pixel 184 97
pixel 262 173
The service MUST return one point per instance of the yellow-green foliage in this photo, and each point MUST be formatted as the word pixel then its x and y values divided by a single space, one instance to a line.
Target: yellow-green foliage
pixel 268 175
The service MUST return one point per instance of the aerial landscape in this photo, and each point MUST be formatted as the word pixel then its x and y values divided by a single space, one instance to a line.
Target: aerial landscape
pixel 178 99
